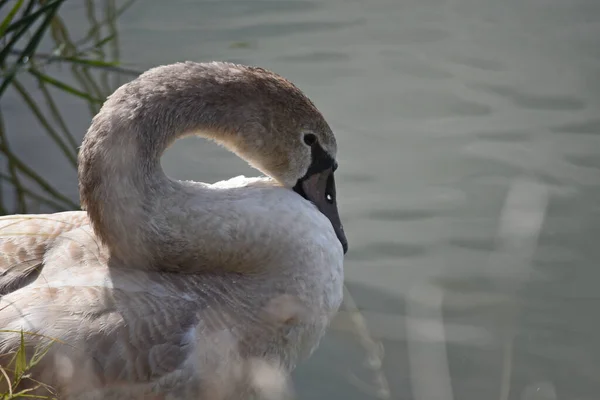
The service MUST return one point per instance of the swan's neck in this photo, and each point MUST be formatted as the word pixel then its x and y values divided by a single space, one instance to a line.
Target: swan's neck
pixel 134 208
pixel 121 190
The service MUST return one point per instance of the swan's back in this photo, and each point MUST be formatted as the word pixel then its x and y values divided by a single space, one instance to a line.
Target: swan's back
pixel 125 332
pixel 24 242
pixel 120 333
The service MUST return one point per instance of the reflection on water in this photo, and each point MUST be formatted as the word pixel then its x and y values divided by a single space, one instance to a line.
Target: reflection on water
pixel 469 180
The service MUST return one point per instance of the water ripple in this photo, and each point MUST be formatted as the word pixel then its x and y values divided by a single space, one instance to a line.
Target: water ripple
pixel 317 56
pixel 401 215
pixel 532 101
pixel 386 250
pixel 591 126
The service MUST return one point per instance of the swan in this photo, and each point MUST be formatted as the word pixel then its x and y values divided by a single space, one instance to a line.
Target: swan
pixel 165 289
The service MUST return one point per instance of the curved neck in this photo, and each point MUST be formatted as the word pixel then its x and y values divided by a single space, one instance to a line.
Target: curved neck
pixel 132 205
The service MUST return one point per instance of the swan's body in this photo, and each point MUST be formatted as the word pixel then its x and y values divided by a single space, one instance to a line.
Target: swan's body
pixel 170 289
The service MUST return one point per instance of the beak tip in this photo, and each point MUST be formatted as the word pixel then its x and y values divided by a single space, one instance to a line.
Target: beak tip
pixel 342 238
pixel 344 243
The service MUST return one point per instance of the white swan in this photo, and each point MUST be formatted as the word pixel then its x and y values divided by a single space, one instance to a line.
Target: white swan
pixel 166 289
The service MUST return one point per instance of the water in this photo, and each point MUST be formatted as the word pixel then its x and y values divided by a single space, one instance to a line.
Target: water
pixel 469 180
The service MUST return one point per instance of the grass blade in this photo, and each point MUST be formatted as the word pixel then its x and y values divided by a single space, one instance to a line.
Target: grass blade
pixel 28 20
pixel 38 179
pixel 113 66
pixel 93 31
pixel 104 41
pixel 28 8
pixel 8 382
pixel 90 8
pixel 85 71
pixel 42 120
pixel 19 193
pixel 6 50
pixel 91 63
pixel 108 65
pixel 60 35
pixel 21 358
pixel 30 48
pixel 40 353
pixel 41 182
pixel 11 14
pixel 37 197
pixel 63 86
pixel 57 115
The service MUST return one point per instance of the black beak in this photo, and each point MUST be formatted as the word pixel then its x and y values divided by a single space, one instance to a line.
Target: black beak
pixel 319 187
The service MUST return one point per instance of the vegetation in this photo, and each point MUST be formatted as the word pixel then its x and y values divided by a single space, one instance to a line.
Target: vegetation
pixel 93 64
pixel 16 375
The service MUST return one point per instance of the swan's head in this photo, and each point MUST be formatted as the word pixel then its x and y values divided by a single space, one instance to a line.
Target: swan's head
pixel 279 131
pixel 318 185
pixel 258 114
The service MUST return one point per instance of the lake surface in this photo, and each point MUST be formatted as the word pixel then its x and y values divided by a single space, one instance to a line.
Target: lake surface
pixel 469 179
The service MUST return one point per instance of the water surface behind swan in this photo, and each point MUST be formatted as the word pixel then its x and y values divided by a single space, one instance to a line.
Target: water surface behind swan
pixel 469 180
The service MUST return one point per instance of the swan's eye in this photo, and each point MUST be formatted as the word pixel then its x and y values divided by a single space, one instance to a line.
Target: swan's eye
pixel 329 198
pixel 310 139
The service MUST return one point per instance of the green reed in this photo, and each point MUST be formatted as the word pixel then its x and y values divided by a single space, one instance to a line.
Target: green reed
pixel 15 376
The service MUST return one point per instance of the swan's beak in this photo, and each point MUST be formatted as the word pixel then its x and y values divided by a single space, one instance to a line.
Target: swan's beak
pixel 320 189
